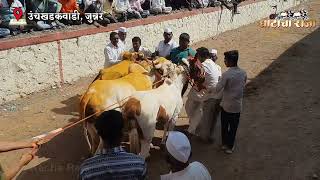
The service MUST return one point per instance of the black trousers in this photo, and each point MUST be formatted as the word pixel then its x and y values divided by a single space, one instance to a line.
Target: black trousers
pixel 229 126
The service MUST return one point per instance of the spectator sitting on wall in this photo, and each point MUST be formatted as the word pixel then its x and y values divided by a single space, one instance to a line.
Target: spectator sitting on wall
pixel 107 10
pixel 97 6
pixel 159 6
pixel 180 4
pixel 43 6
pixel 214 3
pixel 69 6
pixel 136 6
pixel 123 11
pixel 234 6
pixel 3 31
pixel 136 47
pixel 146 5
pixel 7 17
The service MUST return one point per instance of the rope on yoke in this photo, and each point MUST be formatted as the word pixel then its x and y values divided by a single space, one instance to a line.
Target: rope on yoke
pixel 46 137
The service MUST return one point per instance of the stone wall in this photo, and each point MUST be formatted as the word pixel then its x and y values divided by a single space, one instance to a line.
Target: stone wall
pixel 38 66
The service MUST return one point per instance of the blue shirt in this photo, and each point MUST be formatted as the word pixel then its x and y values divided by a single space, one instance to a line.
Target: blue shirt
pixel 115 164
pixel 177 54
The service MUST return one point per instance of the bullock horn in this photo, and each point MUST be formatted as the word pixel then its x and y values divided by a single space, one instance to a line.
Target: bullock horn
pixel 185 61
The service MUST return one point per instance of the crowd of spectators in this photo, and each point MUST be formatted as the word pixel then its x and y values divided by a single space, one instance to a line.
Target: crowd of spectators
pixel 113 11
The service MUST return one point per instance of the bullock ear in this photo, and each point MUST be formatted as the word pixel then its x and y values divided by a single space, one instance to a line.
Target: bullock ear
pixel 185 61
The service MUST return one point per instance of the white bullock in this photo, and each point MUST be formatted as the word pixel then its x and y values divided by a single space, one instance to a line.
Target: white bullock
pixel 145 108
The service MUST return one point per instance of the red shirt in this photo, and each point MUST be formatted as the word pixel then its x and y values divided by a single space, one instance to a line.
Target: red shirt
pixel 68 6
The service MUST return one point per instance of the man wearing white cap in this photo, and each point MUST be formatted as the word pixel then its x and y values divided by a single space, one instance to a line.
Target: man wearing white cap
pixel 122 32
pixel 165 46
pixel 214 55
pixel 178 154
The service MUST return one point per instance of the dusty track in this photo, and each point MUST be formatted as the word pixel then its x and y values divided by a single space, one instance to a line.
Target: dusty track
pixel 279 133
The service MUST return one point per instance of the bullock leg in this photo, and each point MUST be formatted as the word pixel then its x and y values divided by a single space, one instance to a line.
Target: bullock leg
pixel 100 146
pixel 134 137
pixel 145 148
pixel 165 130
pixel 169 126
pixel 148 134
pixel 86 135
pixel 92 137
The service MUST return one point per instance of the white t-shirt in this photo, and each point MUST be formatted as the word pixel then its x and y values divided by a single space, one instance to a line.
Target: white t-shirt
pixel 145 51
pixel 165 49
pixel 112 54
pixel 213 74
pixel 195 171
pixel 124 45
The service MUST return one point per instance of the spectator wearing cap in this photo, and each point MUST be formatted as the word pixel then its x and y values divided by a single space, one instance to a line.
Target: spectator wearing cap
pixel 159 6
pixel 122 32
pixel 165 46
pixel 123 11
pixel 214 55
pixel 113 50
pixel 136 47
pixel 232 84
pixel 183 50
pixel 178 152
pixel 112 162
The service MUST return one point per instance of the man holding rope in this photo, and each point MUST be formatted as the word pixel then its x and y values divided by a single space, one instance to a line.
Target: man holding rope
pixel 25 159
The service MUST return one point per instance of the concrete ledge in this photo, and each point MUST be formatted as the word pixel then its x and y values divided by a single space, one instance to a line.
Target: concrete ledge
pixel 49 60
pixel 58 35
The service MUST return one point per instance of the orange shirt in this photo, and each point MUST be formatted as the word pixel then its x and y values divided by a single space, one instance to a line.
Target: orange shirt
pixel 68 6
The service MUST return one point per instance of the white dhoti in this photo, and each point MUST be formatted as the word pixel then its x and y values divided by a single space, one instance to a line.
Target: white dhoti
pixel 194 110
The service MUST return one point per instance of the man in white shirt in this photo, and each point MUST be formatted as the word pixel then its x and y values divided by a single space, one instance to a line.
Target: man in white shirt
pixel 113 51
pixel 232 83
pixel 211 99
pixel 122 32
pixel 159 6
pixel 136 47
pixel 123 11
pixel 165 46
pixel 178 152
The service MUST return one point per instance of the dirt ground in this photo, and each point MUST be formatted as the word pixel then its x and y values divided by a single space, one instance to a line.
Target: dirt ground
pixel 279 132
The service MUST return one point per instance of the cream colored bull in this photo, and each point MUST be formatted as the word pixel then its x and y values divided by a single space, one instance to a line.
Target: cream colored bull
pixel 101 94
pixel 145 108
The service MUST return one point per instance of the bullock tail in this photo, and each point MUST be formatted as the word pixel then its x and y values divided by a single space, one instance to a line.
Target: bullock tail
pixel 130 111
